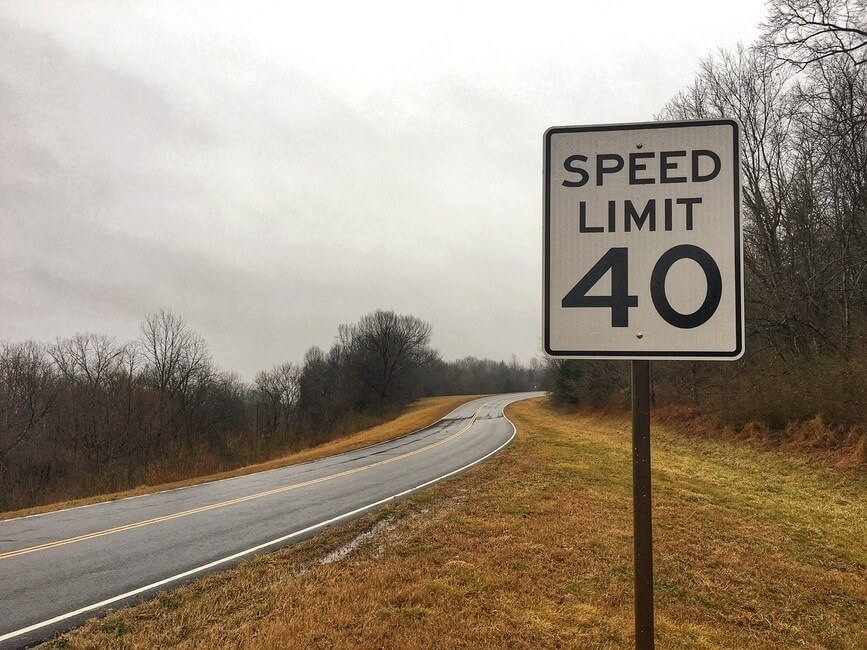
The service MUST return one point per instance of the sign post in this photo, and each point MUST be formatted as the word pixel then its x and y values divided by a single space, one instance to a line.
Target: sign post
pixel 642 516
pixel 642 260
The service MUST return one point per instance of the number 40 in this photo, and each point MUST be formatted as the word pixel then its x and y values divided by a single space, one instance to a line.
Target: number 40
pixel 617 261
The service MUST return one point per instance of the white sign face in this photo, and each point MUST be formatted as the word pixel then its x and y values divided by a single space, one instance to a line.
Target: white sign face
pixel 642 239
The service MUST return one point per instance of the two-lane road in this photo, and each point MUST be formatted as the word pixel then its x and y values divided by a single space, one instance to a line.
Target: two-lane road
pixel 60 568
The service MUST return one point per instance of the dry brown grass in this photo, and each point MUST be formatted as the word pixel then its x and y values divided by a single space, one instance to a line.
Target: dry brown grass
pixel 418 415
pixel 754 549
pixel 844 447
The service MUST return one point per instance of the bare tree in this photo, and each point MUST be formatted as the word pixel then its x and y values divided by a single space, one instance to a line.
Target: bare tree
pixel 386 349
pixel 316 387
pixel 832 210
pixel 223 410
pixel 28 392
pixel 278 390
pixel 87 357
pixel 105 415
pixel 747 85
pixel 803 32
pixel 178 360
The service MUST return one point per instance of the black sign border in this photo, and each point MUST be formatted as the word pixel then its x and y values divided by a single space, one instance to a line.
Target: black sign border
pixel 546 244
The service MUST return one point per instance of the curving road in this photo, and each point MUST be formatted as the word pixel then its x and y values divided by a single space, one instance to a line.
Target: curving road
pixel 60 568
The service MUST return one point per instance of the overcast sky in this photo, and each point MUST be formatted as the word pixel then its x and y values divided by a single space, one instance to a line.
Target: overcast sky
pixel 271 171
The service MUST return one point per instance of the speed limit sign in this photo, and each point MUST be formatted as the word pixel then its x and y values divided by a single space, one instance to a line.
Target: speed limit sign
pixel 642 241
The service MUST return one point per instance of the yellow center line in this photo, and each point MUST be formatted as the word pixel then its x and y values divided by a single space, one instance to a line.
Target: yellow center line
pixel 231 502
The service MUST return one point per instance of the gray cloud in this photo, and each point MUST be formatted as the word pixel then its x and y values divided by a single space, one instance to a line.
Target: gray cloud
pixel 266 203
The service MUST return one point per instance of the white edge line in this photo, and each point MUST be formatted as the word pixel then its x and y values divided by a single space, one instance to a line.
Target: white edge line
pixel 240 476
pixel 249 551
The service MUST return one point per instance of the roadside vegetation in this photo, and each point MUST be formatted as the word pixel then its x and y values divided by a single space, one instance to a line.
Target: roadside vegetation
pixel 533 549
pixel 87 416
pixel 800 94
pixel 415 416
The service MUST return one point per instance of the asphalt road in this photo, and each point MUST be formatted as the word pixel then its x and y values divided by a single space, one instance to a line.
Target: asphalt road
pixel 60 568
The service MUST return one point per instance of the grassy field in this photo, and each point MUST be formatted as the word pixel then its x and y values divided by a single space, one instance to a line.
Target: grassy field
pixel 418 415
pixel 754 549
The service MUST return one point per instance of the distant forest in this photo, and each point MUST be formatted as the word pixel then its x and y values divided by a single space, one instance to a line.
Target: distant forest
pixel 86 414
pixel 800 93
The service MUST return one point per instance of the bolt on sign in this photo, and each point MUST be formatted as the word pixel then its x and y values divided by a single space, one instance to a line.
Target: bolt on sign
pixel 642 238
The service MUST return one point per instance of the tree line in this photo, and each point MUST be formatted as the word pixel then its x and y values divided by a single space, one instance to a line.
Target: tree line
pixel 87 414
pixel 800 93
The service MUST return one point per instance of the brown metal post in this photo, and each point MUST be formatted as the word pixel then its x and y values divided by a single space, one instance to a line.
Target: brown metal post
pixel 641 505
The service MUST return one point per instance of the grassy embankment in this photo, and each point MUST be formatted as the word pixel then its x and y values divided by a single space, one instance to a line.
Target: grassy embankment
pixel 754 549
pixel 418 415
